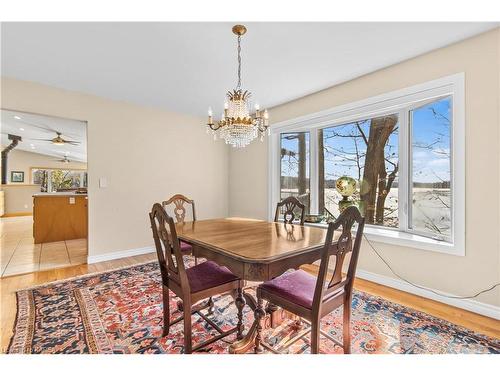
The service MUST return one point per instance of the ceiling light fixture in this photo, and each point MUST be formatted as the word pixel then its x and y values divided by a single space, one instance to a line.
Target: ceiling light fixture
pixel 22 129
pixel 237 127
pixel 17 117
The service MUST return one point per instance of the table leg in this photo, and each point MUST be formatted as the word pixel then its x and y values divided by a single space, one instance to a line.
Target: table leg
pixel 247 342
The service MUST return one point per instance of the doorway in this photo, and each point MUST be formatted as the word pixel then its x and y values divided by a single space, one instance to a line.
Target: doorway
pixel 43 197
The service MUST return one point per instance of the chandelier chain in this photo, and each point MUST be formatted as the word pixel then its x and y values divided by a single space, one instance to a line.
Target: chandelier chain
pixel 238 86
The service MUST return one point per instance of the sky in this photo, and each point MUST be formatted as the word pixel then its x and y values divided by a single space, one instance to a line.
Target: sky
pixel 430 146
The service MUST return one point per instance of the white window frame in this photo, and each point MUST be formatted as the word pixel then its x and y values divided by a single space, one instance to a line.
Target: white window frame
pixel 392 102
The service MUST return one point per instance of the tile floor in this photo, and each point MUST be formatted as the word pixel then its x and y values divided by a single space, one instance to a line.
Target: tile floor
pixel 18 253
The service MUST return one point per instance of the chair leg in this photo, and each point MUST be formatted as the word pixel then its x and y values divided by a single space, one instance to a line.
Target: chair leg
pixel 188 345
pixel 240 304
pixel 166 311
pixel 315 333
pixel 195 261
pixel 259 315
pixel 346 334
pixel 210 307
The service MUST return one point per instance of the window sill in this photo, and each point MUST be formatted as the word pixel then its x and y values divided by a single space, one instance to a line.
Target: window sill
pixel 414 241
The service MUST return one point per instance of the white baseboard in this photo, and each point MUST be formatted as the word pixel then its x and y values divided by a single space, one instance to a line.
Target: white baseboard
pixel 120 254
pixel 466 304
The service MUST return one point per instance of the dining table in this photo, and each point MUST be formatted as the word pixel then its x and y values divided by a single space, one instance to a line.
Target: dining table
pixel 255 251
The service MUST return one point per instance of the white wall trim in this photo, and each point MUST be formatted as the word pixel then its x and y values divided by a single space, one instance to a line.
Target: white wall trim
pixel 119 254
pixel 467 304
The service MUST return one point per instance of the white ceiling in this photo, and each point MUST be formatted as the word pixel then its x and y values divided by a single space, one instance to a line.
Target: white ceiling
pixel 186 67
pixel 34 129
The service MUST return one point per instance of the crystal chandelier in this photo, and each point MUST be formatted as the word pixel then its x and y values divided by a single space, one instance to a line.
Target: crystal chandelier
pixel 237 126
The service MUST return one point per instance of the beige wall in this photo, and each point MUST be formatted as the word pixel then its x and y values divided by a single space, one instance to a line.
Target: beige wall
pixel 18 198
pixel 145 154
pixel 479 58
pixel 23 161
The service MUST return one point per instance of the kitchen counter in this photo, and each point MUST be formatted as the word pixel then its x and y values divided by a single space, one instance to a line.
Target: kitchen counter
pixel 59 216
pixel 59 194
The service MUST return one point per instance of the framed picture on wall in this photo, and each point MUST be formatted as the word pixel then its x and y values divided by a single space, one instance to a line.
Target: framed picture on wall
pixel 16 176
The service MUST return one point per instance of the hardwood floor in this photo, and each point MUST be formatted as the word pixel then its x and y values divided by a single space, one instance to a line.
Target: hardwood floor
pixel 8 286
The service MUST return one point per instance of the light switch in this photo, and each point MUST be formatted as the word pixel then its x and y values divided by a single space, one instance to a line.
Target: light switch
pixel 71 200
pixel 103 182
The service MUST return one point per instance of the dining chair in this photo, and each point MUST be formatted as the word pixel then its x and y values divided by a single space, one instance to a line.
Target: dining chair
pixel 176 204
pixel 311 298
pixel 289 207
pixel 191 285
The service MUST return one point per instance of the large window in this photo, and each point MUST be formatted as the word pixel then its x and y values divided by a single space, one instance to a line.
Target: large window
pixel 51 180
pixel 405 150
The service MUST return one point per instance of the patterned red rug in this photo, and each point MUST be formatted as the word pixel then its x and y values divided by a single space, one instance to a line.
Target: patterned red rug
pixel 121 312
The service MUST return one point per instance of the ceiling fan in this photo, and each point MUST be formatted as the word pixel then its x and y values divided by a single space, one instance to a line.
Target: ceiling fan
pixel 59 140
pixel 63 160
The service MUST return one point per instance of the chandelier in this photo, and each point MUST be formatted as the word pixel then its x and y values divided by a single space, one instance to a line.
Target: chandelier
pixel 237 126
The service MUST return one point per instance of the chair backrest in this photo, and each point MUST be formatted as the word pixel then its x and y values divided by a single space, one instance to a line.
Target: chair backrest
pixel 339 248
pixel 289 207
pixel 177 205
pixel 168 248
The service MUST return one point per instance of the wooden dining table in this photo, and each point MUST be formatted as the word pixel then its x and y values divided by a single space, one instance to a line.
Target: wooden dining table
pixel 254 250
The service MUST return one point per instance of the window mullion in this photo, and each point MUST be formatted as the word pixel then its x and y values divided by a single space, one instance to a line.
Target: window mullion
pixel 313 171
pixel 403 173
pixel 49 181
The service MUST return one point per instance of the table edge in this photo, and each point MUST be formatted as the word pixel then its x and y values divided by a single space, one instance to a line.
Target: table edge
pixel 250 260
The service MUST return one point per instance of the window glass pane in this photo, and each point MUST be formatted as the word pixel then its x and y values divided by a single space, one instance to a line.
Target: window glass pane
pixel 294 180
pixel 61 179
pixel 367 151
pixel 431 165
pixel 40 177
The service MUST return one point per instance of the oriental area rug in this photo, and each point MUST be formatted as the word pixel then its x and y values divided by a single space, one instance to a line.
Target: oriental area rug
pixel 120 311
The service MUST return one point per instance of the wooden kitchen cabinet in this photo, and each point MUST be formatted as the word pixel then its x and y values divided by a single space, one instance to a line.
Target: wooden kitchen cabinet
pixel 59 217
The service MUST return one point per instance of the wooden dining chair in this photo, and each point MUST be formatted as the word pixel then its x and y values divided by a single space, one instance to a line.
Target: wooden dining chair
pixel 177 205
pixel 289 207
pixel 193 284
pixel 310 297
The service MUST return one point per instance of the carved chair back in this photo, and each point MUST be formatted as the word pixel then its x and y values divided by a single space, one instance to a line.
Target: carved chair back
pixel 168 250
pixel 339 284
pixel 177 205
pixel 290 207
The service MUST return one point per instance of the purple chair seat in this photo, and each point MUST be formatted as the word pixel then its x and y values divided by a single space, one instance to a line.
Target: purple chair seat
pixel 207 275
pixel 185 247
pixel 297 287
